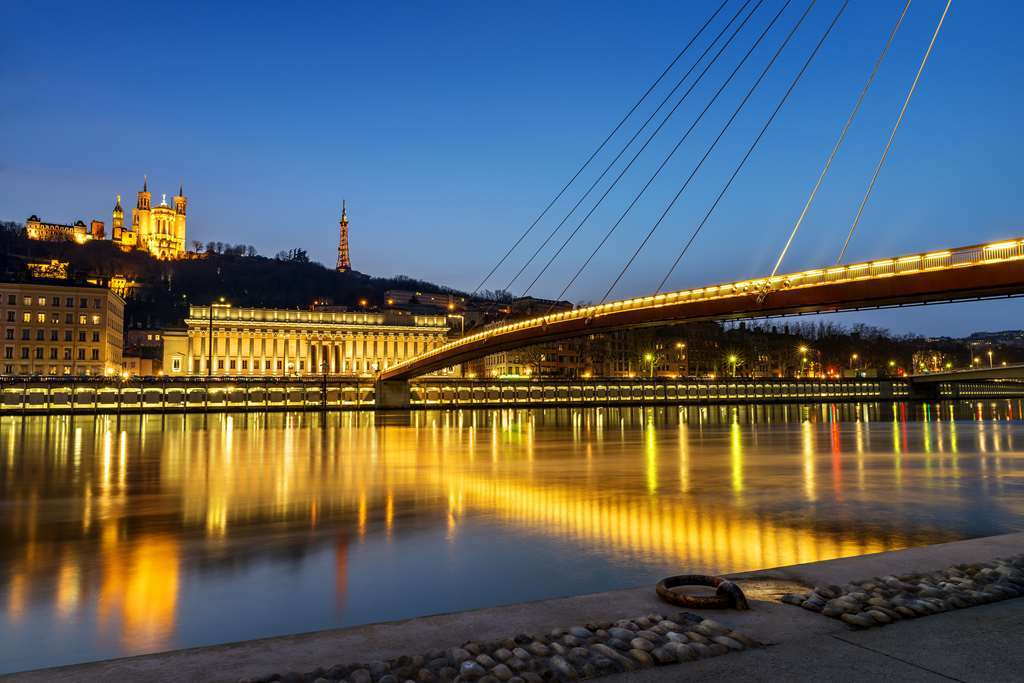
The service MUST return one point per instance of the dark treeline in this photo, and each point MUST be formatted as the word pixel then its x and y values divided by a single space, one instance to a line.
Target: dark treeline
pixel 234 272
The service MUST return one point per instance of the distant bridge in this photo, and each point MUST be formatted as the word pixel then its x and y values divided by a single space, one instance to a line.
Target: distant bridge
pixel 1007 372
pixel 965 273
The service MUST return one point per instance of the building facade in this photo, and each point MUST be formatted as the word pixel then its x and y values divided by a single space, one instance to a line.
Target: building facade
pixel 36 229
pixel 220 340
pixel 56 328
pixel 159 229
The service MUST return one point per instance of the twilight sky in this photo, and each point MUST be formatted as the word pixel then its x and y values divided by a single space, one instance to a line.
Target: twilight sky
pixel 448 126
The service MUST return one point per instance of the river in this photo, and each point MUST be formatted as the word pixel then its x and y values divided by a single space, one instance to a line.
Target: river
pixel 135 534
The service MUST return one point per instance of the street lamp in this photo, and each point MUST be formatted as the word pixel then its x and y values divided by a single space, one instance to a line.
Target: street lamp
pixel 649 357
pixel 990 358
pixel 853 359
pixel 732 361
pixel 209 360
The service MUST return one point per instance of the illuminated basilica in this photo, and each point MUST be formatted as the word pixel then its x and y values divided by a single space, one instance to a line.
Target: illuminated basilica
pixel 159 229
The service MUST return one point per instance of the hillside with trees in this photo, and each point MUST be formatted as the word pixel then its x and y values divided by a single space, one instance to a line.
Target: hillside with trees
pixel 235 272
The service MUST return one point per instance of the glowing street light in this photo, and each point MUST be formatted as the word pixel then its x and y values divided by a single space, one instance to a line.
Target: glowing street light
pixel 990 357
pixel 732 361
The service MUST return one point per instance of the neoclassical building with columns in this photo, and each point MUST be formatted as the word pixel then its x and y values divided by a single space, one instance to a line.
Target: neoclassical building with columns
pixel 224 341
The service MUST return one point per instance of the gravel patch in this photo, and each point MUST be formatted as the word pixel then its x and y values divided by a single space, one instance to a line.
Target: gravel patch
pixel 564 654
pixel 887 599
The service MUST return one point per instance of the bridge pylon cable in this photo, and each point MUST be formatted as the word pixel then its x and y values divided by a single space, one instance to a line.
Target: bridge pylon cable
pixel 892 135
pixel 835 150
pixel 711 147
pixel 651 137
pixel 665 161
pixel 625 147
pixel 597 151
pixel 746 157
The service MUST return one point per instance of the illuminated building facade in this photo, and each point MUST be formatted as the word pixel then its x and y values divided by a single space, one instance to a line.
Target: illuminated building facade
pixel 36 229
pixel 159 229
pixel 262 342
pixel 60 329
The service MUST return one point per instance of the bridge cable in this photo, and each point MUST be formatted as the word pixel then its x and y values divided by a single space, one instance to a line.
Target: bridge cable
pixel 746 156
pixel 626 168
pixel 711 147
pixel 601 146
pixel 625 147
pixel 664 163
pixel 835 150
pixel 892 135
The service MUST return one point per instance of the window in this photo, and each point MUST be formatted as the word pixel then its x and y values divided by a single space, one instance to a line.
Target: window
pixel 70 302
pixel 26 334
pixel 24 352
pixel 81 354
pixel 67 354
pixel 9 334
pixel 95 354
pixel 176 365
pixel 26 301
pixel 95 336
pixel 220 365
pixel 95 320
pixel 81 336
pixel 8 352
pixel 81 320
pixel 69 318
pixel 10 316
pixel 39 352
pixel 83 303
pixel 96 303
pixel 54 335
pixel 41 301
pixel 53 354
pixel 11 300
pixel 245 365
pixel 55 301
pixel 26 317
pixel 40 317
pixel 40 334
pixel 232 365
pixel 67 335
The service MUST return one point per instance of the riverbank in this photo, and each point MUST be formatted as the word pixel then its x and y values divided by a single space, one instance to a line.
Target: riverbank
pixel 971 644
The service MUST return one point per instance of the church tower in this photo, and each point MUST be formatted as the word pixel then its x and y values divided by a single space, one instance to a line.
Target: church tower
pixel 118 222
pixel 179 213
pixel 140 215
pixel 344 264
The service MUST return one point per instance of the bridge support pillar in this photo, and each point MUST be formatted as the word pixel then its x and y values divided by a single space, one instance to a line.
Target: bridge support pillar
pixel 391 394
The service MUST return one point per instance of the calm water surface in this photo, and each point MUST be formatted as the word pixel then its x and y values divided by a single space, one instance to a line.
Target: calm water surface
pixel 146 533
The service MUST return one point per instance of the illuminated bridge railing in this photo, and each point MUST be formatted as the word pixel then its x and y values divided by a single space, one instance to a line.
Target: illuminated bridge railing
pixel 891 267
pixel 464 393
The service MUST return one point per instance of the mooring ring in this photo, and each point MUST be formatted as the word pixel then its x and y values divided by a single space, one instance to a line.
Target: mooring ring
pixel 727 594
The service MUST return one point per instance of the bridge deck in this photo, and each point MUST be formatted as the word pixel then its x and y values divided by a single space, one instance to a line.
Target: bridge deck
pixel 966 273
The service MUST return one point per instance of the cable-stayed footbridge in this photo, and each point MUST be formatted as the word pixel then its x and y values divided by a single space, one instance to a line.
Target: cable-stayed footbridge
pixel 728 44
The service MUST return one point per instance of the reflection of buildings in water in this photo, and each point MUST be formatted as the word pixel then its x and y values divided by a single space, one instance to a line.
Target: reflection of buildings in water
pixel 133 479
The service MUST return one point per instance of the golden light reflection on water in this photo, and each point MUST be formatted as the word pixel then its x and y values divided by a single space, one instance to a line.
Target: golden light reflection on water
pixel 105 511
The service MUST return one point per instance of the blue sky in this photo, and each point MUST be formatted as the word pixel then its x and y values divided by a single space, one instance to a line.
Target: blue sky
pixel 448 126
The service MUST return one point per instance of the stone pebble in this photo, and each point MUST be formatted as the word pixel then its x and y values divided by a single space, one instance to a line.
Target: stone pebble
pixel 563 654
pixel 883 600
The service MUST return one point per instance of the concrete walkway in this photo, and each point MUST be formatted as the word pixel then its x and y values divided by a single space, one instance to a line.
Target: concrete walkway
pixel 980 643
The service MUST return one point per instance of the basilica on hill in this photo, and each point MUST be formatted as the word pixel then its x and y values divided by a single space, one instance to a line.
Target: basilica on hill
pixel 159 230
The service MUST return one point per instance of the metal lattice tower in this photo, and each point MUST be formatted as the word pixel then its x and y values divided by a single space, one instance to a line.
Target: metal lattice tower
pixel 344 264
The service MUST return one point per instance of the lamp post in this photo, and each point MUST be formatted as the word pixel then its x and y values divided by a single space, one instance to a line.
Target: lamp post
pixel 649 357
pixel 990 358
pixel 209 339
pixel 681 350
pixel 853 360
pixel 803 359
pixel 732 361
